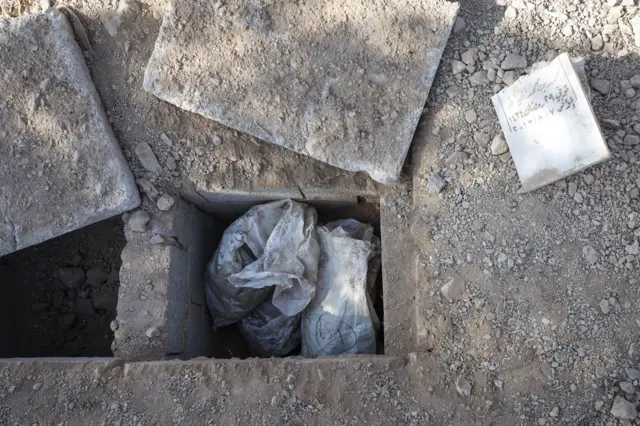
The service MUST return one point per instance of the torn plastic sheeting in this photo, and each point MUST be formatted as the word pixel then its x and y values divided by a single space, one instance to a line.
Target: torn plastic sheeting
pixel 270 333
pixel 340 319
pixel 271 250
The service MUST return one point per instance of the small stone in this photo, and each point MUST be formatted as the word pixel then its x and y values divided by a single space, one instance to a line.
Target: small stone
pixel 509 78
pixel 597 43
pixel 459 25
pixel 457 67
pixel 632 140
pixel 138 221
pixel 513 61
pixel 171 163
pixel 510 13
pixel 481 138
pixel 604 306
pixel 457 157
pixel 634 351
pixel 627 387
pixel 165 202
pixel 479 78
pixel 156 239
pixel 567 30
pixel 555 412
pixel 217 140
pixel 630 93
pixel 470 116
pixel 37 386
pixel 572 188
pixel 623 409
pixel 598 405
pixel 166 140
pixel 591 255
pixel 96 276
pixel 499 145
pixel 453 290
pixel 71 277
pixel 152 332
pixel 436 183
pixel 148 188
pixel 463 386
pixel 470 56
pixel 562 184
pixel 601 86
pixel 578 197
pixel 632 373
pixel 633 249
pixel 114 325
pixel 635 81
pixel 147 158
pixel 588 179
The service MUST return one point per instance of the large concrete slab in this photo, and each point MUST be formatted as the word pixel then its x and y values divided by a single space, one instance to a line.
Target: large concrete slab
pixel 342 81
pixel 61 167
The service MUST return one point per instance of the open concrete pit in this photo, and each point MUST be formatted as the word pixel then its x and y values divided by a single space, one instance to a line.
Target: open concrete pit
pixel 59 297
pixel 162 311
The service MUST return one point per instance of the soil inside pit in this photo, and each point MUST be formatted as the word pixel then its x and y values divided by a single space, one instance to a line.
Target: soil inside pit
pixel 41 316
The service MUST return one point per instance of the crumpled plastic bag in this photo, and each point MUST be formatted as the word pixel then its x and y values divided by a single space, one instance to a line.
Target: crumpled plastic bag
pixel 271 252
pixel 340 319
pixel 270 333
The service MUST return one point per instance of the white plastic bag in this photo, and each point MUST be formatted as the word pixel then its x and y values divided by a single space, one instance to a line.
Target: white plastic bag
pixel 270 333
pixel 340 319
pixel 271 250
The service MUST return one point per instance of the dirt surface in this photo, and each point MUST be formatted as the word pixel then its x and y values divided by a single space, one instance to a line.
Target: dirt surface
pixel 61 295
pixel 541 323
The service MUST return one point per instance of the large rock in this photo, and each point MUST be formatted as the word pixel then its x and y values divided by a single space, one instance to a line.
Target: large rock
pixel 317 79
pixel 60 165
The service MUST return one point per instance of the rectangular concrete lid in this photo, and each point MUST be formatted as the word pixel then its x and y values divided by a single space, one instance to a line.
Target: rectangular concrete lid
pixel 61 167
pixel 343 81
pixel 549 125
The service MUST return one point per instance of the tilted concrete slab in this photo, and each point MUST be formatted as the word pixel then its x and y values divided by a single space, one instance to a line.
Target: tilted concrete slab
pixel 61 167
pixel 344 82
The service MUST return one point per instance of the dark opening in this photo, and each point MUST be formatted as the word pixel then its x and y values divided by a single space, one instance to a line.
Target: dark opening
pixel 228 342
pixel 59 297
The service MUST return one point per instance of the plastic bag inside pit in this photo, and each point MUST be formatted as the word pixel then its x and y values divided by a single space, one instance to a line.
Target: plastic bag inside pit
pixel 341 319
pixel 271 254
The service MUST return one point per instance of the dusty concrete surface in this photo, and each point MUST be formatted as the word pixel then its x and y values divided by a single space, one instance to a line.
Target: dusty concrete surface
pixel 161 309
pixel 61 167
pixel 332 85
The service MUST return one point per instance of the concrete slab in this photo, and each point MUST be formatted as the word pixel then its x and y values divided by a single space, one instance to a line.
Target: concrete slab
pixel 61 167
pixel 549 125
pixel 344 82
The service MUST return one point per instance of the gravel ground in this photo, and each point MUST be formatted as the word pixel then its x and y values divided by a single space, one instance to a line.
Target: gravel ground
pixel 540 324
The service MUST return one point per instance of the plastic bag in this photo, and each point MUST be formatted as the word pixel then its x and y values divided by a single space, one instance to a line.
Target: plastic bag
pixel 270 252
pixel 270 333
pixel 340 319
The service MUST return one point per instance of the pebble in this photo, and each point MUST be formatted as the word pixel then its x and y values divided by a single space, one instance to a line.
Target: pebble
pixel 597 43
pixel 37 386
pixel 479 78
pixel 152 332
pixel 588 179
pixel 623 409
pixel 166 140
pixel 499 145
pixel 632 140
pixel 634 351
pixel 632 373
pixel 156 239
pixel 148 188
pixel 463 386
pixel 513 61
pixel 635 81
pixel 165 202
pixel 572 188
pixel 509 78
pixel 171 163
pixel 459 25
pixel 138 221
pixel 114 325
pixel 453 290
pixel 481 138
pixel 147 158
pixel 604 306
pixel 457 67
pixel 601 86
pixel 436 183
pixel 470 116
pixel 627 387
pixel 591 255
pixel 470 56
pixel 71 277
pixel 555 412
